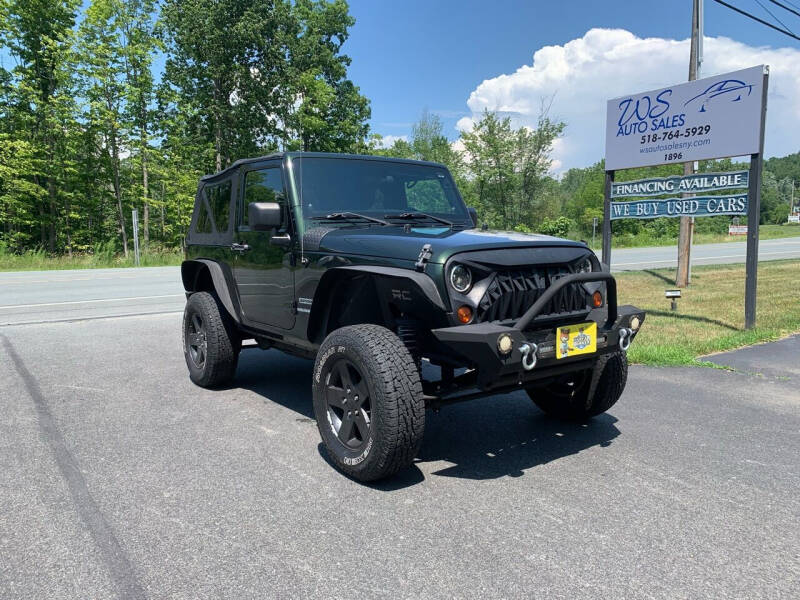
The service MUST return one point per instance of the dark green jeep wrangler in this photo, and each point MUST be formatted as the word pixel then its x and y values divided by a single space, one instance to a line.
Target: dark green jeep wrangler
pixel 372 266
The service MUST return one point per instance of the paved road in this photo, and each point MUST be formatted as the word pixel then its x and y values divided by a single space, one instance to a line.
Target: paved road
pixel 39 296
pixel 119 478
pixel 51 296
pixel 637 259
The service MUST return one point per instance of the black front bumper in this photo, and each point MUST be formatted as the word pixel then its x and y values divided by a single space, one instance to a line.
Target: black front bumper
pixel 477 344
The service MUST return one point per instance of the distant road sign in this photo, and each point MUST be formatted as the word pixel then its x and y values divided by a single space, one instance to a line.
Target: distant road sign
pixel 715 117
pixel 737 229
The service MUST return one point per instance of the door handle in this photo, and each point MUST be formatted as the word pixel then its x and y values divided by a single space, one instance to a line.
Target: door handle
pixel 239 247
pixel 280 239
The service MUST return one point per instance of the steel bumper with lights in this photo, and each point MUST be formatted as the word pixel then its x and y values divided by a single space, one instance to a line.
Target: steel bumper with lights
pixel 516 352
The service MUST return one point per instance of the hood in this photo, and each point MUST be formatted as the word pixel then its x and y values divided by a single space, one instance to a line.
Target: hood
pixel 397 243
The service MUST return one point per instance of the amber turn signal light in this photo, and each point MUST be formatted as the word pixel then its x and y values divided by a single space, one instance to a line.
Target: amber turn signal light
pixel 464 314
pixel 597 299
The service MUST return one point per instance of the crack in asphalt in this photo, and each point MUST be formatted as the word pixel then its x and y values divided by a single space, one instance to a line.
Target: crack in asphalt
pixel 120 568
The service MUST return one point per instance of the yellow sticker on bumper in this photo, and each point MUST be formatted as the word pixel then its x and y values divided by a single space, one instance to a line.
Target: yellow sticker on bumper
pixel 572 340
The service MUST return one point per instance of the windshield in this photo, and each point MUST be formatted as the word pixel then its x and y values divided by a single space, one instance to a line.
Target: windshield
pixel 379 189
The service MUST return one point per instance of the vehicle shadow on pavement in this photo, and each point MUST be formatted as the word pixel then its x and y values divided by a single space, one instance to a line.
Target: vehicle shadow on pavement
pixel 277 377
pixel 493 437
pixel 506 436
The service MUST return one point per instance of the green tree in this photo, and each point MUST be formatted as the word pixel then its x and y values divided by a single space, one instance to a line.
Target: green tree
pixel 227 62
pixel 136 23
pixel 103 69
pixel 510 170
pixel 328 112
pixel 38 33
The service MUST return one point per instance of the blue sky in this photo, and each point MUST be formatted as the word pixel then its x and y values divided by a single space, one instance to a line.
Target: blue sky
pixel 412 54
pixel 454 57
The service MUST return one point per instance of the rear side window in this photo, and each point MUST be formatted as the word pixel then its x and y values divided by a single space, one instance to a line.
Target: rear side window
pixel 264 185
pixel 203 218
pixel 219 199
pixel 213 213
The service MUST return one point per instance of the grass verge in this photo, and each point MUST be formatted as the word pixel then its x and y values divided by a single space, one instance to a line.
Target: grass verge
pixel 765 232
pixel 38 260
pixel 710 315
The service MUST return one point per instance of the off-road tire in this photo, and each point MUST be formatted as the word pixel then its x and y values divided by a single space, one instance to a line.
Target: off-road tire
pixel 379 364
pixel 222 342
pixel 575 403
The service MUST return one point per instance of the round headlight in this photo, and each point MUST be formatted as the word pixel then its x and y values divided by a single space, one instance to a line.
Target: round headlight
pixel 461 279
pixel 583 266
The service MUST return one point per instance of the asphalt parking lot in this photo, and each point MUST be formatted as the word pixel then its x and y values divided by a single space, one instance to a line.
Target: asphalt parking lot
pixel 119 478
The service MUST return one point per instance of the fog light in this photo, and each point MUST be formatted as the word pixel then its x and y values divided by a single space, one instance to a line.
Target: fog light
pixel 464 314
pixel 504 343
pixel 597 299
pixel 635 322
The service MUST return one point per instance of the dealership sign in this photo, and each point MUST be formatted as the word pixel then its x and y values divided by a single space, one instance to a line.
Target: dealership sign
pixel 695 184
pixel 698 206
pixel 708 118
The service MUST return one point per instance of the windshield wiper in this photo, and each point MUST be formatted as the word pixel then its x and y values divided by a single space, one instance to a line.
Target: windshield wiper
pixel 416 216
pixel 349 216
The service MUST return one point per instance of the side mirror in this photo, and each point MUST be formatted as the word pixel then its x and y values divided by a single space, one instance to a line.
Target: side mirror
pixel 474 214
pixel 263 216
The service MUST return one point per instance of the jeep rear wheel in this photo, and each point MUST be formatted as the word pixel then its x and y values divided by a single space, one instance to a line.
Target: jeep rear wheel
pixel 211 344
pixel 580 396
pixel 368 402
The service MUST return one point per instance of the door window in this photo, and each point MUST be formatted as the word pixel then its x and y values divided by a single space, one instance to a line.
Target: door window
pixel 263 185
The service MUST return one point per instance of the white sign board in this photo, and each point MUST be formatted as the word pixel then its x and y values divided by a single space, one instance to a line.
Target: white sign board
pixel 737 229
pixel 715 117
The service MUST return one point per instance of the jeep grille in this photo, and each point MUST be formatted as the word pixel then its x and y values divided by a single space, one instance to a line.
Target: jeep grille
pixel 512 292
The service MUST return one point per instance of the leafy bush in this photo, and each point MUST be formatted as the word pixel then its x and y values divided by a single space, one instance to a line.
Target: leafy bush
pixel 559 227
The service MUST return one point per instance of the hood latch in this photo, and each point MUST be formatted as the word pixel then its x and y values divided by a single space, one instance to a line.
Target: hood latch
pixel 423 258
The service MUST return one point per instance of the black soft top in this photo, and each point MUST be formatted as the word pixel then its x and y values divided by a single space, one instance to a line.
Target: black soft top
pixel 281 155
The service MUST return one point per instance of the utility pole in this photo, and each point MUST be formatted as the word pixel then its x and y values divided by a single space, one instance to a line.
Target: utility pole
pixel 686 231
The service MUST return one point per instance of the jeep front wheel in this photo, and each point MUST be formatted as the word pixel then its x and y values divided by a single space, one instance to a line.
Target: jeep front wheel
pixel 211 344
pixel 580 396
pixel 368 402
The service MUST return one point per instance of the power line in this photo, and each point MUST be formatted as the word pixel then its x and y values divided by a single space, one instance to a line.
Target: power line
pixel 784 7
pixel 755 18
pixel 773 16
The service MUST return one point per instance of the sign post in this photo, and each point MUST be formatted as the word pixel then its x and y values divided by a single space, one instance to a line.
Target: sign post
pixel 753 219
pixel 607 219
pixel 711 118
pixel 135 224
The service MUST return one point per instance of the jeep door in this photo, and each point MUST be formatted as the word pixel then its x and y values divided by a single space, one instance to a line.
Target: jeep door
pixel 263 266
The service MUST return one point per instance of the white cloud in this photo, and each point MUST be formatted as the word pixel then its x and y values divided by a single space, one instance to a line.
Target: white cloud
pixel 465 124
pixel 387 141
pixel 605 63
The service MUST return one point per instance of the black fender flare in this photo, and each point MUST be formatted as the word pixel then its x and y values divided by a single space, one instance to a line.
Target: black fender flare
pixel 415 286
pixel 192 272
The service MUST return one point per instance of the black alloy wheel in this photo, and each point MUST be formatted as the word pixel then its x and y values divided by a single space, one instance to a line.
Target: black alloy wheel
pixel 211 343
pixel 368 401
pixel 347 401
pixel 196 341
